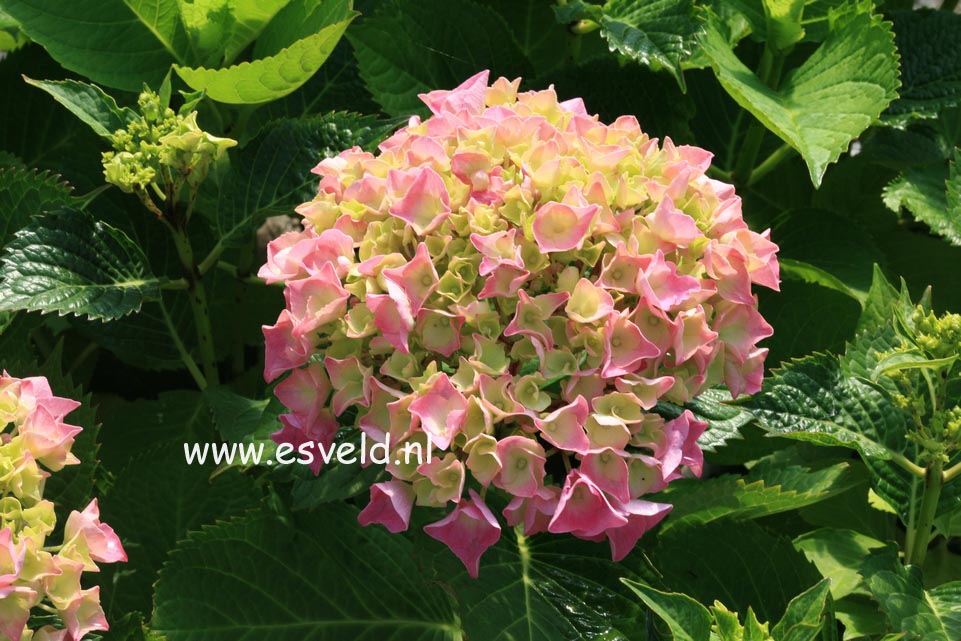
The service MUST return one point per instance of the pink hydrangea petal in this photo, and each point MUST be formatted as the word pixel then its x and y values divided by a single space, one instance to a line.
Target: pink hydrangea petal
pixel 468 531
pixel 390 505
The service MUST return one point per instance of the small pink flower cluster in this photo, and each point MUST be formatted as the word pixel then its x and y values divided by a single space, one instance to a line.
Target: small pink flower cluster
pixel 33 573
pixel 515 284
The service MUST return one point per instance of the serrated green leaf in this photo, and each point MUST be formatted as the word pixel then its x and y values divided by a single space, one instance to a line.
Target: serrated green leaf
pixel 926 615
pixel 445 42
pixel 68 262
pixel 267 78
pixel 658 33
pixel 813 400
pixel 838 554
pixel 262 576
pixel 272 174
pixel 808 615
pixel 104 40
pixel 824 104
pixel 687 619
pixel 25 193
pixel 882 302
pixel 930 62
pixel 763 492
pixel 155 501
pixel 724 422
pixel 88 103
pixel 923 191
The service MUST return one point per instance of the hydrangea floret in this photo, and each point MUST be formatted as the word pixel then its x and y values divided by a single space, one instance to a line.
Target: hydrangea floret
pixel 513 284
pixel 36 575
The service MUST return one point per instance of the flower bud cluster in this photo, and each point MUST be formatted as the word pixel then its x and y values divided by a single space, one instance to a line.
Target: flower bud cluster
pixel 514 285
pixel 162 150
pixel 34 441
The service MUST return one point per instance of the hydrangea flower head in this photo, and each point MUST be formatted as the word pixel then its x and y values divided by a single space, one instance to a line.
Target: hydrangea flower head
pixel 34 439
pixel 515 285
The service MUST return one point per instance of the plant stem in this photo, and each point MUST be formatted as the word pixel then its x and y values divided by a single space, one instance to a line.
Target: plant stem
pixel 933 481
pixel 952 473
pixel 769 72
pixel 779 155
pixel 185 356
pixel 909 465
pixel 198 304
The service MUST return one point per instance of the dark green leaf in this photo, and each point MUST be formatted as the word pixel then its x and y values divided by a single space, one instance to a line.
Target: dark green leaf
pixel 658 33
pixel 272 174
pixel 737 563
pixel 25 193
pixel 930 62
pixel 543 588
pixel 445 42
pixel 156 500
pixel 261 578
pixel 104 40
pixel 68 262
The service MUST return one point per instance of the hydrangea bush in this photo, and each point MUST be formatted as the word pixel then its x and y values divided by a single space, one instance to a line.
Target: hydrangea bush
pixel 514 285
pixel 34 574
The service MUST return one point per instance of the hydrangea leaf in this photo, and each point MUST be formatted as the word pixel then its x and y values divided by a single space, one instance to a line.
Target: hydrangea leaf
pixel 932 195
pixel 397 69
pixel 930 62
pixel 88 103
pixel 749 566
pixel 543 588
pixel 104 40
pixel 272 174
pixel 824 104
pixel 267 78
pixel 687 619
pixel 324 578
pixel 814 400
pixel 838 554
pixel 658 33
pixel 809 616
pixel 219 30
pixel 761 493
pixel 296 20
pixel 25 193
pixel 156 499
pixel 842 261
pixel 927 615
pixel 724 422
pixel 68 262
